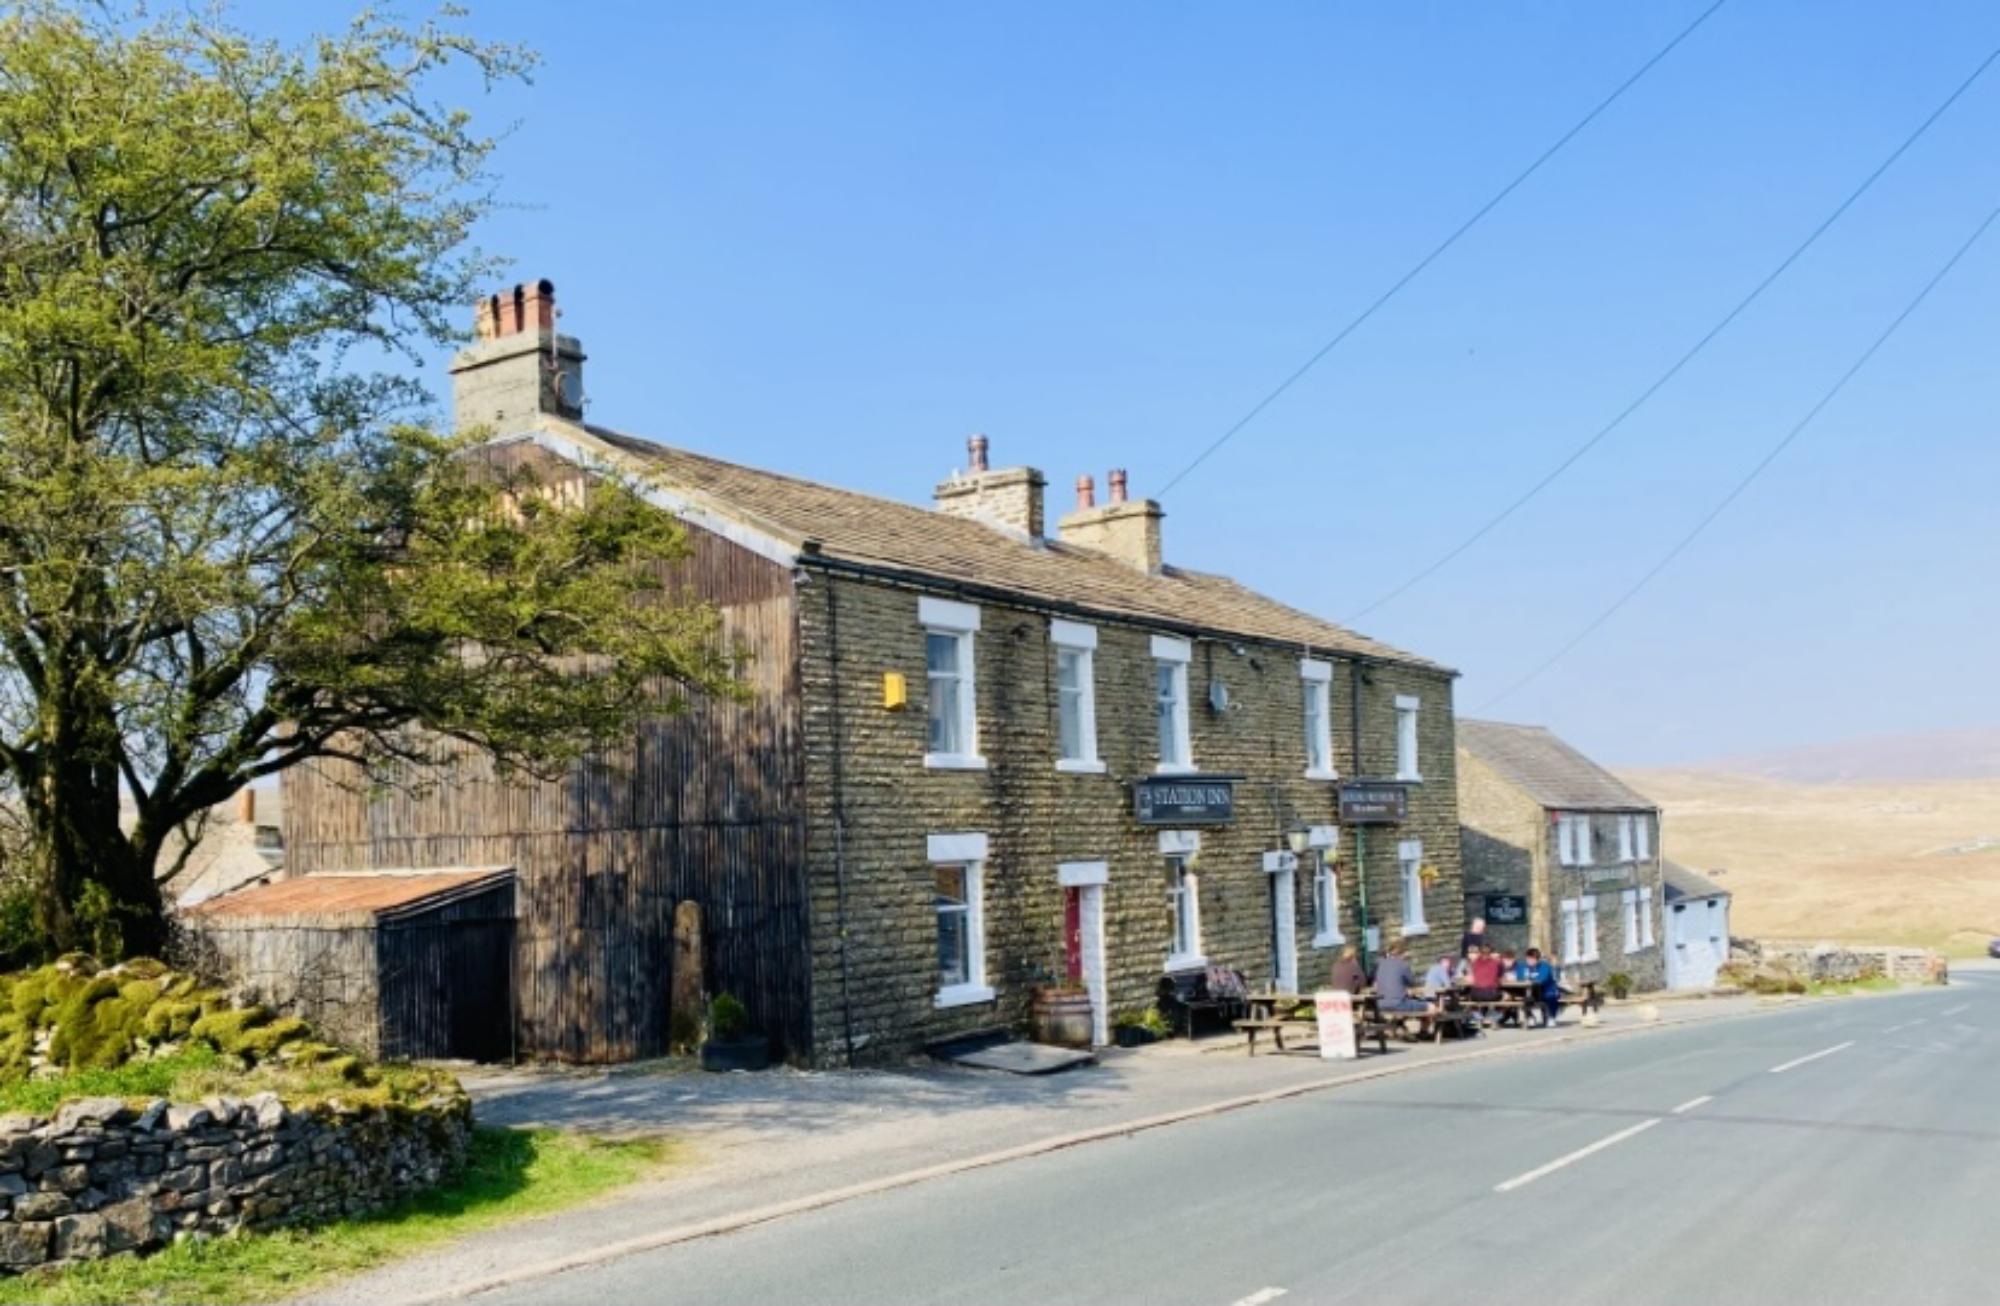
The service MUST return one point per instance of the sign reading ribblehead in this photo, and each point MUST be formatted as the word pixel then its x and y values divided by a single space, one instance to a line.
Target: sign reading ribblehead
pixel 1335 1010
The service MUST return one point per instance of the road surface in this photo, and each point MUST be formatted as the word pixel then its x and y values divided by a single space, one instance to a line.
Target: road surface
pixel 1835 1152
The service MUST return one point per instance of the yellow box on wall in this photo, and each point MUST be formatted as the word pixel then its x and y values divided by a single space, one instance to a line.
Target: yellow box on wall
pixel 895 694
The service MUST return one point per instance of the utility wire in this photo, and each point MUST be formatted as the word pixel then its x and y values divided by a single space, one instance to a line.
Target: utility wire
pixel 1758 470
pixel 1661 381
pixel 1444 245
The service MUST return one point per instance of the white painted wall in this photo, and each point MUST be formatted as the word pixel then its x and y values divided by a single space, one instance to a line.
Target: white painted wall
pixel 1697 941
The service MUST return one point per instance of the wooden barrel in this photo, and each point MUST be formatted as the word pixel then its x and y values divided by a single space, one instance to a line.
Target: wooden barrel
pixel 1062 1017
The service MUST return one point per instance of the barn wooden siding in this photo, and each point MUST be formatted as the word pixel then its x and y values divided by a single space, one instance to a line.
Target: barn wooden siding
pixel 444 977
pixel 703 805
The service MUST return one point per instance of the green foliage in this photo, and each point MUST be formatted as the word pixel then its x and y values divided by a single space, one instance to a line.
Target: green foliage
pixel 728 1018
pixel 1146 1018
pixel 229 547
pixel 1618 984
pixel 510 1175
pixel 142 1079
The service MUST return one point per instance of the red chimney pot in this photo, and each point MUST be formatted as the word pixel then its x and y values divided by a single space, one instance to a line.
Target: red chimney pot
pixel 1117 485
pixel 976 446
pixel 1086 493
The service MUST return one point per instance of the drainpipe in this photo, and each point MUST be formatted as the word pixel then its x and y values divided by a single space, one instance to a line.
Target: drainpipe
pixel 1360 831
pixel 839 818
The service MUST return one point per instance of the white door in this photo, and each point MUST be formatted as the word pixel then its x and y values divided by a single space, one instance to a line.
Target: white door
pixel 1090 922
pixel 1284 931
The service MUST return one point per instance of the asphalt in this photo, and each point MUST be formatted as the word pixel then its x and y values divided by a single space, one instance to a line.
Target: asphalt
pixel 1832 1152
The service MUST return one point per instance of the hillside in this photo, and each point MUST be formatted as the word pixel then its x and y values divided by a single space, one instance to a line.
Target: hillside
pixel 1914 862
pixel 1972 754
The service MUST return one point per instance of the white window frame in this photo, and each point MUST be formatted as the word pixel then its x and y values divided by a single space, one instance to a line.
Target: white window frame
pixel 1586 913
pixel 1407 707
pixel 1410 863
pixel 969 850
pixel 1572 932
pixel 1626 843
pixel 1646 936
pixel 1629 901
pixel 1316 683
pixel 1323 845
pixel 1643 825
pixel 1174 654
pixel 959 621
pixel 1184 904
pixel 1573 841
pixel 1080 641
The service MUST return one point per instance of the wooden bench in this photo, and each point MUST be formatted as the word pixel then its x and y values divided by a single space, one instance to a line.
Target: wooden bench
pixel 1501 1008
pixel 1366 1027
pixel 1414 1025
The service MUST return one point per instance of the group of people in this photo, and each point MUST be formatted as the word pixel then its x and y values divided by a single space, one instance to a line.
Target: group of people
pixel 1477 968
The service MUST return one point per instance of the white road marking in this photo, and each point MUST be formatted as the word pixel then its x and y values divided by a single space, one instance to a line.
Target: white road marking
pixel 1692 1103
pixel 1953 1011
pixel 1823 1052
pixel 1521 1180
pixel 1259 1297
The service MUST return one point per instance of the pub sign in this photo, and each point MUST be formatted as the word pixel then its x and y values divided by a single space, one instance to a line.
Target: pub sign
pixel 1506 909
pixel 1374 802
pixel 1185 799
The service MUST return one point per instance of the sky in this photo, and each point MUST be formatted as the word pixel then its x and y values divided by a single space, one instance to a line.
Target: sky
pixel 835 239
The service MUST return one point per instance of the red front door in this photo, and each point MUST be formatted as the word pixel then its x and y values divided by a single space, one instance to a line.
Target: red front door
pixel 1073 934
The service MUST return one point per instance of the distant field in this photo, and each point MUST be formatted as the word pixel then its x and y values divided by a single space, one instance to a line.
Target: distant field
pixel 1915 863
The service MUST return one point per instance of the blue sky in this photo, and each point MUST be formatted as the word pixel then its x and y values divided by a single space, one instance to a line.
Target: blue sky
pixel 834 239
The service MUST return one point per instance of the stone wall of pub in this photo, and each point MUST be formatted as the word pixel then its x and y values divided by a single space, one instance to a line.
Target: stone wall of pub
pixel 1036 817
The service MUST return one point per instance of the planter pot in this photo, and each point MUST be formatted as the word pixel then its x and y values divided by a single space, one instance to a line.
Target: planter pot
pixel 1062 1017
pixel 749 1053
pixel 1134 1036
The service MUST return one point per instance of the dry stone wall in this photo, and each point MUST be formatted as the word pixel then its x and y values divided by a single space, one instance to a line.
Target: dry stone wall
pixel 100 1177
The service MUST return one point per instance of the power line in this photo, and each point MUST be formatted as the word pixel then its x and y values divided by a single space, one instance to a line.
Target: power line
pixel 1758 470
pixel 1444 245
pixel 1661 381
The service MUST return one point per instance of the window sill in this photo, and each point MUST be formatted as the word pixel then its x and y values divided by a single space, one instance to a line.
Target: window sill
pixel 1329 940
pixel 1177 768
pixel 1321 773
pixel 963 995
pixel 953 762
pixel 1079 766
pixel 1409 779
pixel 1193 961
pixel 1421 927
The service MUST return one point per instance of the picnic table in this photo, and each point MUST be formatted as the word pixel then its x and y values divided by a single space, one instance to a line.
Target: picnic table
pixel 1274 1013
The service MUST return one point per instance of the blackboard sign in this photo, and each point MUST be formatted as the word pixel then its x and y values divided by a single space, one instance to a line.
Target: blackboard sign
pixel 1506 909
pixel 1185 800
pixel 1374 802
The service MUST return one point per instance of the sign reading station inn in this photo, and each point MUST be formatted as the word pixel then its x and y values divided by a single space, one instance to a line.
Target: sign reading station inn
pixel 1185 799
pixel 1374 802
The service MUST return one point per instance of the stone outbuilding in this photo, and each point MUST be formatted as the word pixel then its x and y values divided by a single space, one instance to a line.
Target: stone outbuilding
pixel 1697 927
pixel 976 756
pixel 1560 854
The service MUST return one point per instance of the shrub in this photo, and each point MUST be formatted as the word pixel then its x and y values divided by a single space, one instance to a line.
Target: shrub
pixel 728 1018
pixel 1618 984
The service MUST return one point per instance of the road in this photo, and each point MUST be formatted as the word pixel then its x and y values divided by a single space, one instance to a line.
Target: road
pixel 1840 1152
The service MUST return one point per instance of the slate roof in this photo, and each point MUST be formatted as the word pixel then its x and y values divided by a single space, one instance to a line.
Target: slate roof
pixel 863 529
pixel 1548 770
pixel 351 897
pixel 1684 883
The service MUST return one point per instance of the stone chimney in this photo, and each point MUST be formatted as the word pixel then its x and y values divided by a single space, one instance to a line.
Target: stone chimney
pixel 519 366
pixel 1126 530
pixel 1010 499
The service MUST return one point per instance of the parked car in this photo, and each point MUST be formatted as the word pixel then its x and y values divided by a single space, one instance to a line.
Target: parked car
pixel 1993 948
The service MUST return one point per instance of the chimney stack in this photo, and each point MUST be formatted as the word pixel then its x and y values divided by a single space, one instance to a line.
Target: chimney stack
pixel 246 805
pixel 1009 500
pixel 1123 529
pixel 519 366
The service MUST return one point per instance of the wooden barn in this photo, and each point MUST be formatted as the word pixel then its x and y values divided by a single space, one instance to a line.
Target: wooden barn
pixel 396 964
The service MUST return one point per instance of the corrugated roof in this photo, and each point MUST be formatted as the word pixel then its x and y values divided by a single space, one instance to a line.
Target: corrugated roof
pixel 354 896
pixel 1681 882
pixel 1548 770
pixel 862 529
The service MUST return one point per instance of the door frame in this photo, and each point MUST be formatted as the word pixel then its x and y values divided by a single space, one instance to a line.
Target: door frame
pixel 1283 868
pixel 1089 879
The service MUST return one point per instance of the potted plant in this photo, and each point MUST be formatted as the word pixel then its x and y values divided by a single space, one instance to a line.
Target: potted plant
pixel 1061 1012
pixel 1618 984
pixel 1134 1029
pixel 731 1043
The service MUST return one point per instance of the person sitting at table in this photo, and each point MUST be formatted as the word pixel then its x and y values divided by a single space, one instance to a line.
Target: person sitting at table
pixel 1474 937
pixel 1442 974
pixel 1485 986
pixel 1347 972
pixel 1547 989
pixel 1393 982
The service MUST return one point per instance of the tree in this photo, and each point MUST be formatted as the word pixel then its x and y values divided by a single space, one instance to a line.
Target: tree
pixel 229 542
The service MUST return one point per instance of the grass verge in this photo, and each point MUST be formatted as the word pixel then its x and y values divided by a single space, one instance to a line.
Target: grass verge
pixel 1842 988
pixel 512 1174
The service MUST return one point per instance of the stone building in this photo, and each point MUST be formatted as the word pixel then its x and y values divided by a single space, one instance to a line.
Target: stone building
pixel 1560 854
pixel 1697 917
pixel 977 756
